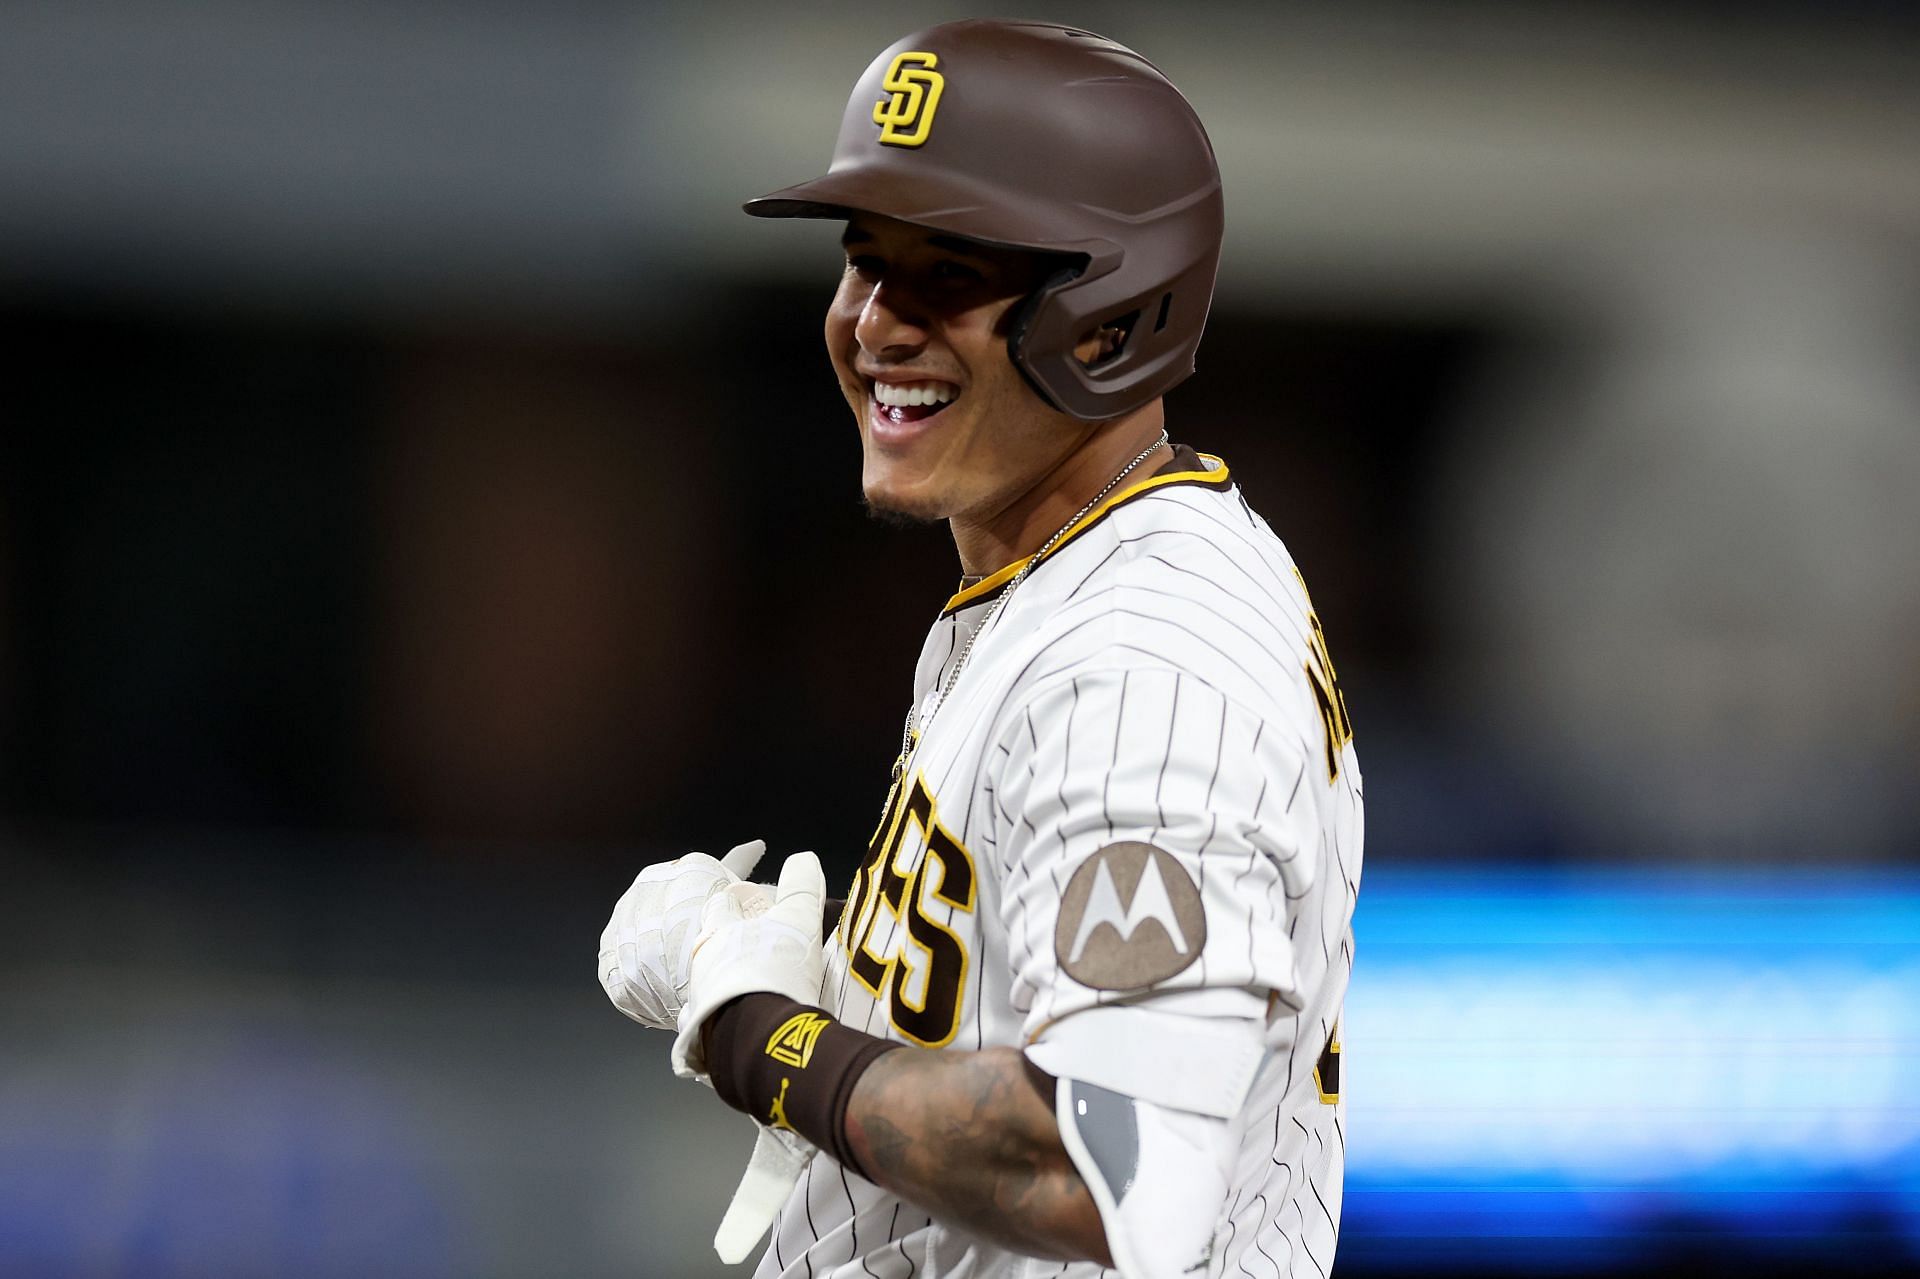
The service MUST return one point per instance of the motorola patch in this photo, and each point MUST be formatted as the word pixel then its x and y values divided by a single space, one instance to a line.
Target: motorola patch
pixel 1131 916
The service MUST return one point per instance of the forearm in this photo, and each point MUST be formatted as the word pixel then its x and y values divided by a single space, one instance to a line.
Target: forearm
pixel 968 1136
pixel 971 1139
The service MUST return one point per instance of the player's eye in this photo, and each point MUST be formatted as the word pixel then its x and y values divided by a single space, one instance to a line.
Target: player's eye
pixel 948 270
pixel 866 266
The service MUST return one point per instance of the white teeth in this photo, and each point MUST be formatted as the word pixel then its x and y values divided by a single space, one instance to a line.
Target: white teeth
pixel 913 394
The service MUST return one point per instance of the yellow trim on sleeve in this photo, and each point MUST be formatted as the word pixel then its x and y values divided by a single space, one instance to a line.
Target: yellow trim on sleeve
pixel 1000 577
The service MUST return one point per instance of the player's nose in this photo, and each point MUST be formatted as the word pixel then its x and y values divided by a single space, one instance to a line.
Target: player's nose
pixel 890 321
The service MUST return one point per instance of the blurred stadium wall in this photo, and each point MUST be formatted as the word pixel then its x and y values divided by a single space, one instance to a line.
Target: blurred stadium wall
pixel 423 502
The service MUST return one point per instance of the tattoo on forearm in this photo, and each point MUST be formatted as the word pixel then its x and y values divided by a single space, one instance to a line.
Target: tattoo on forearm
pixel 967 1137
pixel 887 1146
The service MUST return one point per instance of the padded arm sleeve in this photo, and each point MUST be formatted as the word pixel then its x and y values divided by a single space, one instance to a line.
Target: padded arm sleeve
pixel 1147 1098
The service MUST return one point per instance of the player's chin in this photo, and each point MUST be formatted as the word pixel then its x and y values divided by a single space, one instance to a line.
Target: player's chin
pixel 893 504
pixel 905 490
pixel 902 517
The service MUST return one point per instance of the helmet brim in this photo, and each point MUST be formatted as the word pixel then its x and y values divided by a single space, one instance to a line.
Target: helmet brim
pixel 937 201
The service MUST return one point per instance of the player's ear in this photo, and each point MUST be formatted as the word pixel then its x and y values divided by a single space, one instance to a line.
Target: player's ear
pixel 1106 341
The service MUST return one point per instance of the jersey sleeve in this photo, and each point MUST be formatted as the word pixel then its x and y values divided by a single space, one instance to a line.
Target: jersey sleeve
pixel 1154 836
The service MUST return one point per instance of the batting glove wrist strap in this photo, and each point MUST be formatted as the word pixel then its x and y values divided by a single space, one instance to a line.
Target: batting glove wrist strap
pixel 779 1159
pixel 791 1067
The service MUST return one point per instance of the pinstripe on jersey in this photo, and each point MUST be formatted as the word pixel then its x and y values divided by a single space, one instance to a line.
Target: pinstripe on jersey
pixel 1153 681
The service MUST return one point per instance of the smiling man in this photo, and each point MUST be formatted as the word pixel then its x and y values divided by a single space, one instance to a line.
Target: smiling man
pixel 951 428
pixel 1082 1004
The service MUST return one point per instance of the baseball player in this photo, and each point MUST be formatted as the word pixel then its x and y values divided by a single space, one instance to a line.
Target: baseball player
pixel 1080 1010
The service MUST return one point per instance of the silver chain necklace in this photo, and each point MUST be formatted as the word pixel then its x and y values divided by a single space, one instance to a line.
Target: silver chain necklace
pixel 1006 593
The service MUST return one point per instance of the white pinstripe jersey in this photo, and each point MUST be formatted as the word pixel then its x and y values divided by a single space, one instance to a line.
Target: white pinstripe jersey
pixel 1160 679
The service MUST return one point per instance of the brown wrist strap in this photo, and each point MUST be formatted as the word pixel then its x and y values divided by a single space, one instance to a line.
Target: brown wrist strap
pixel 790 1066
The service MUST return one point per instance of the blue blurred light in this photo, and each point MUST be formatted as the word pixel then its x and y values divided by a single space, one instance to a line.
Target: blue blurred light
pixel 1575 1069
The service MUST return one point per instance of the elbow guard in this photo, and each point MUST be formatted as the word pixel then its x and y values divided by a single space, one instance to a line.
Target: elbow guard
pixel 1147 1101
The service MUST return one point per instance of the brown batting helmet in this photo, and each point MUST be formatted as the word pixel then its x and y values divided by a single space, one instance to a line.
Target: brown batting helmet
pixel 1035 136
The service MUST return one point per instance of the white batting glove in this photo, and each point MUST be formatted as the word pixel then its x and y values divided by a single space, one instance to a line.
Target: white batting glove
pixel 646 949
pixel 739 952
pixel 745 949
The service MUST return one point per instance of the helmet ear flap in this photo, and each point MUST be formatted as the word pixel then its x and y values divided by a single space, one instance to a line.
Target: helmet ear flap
pixel 1155 337
pixel 1029 310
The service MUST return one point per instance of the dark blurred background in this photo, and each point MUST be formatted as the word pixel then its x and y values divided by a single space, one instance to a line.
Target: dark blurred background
pixel 424 501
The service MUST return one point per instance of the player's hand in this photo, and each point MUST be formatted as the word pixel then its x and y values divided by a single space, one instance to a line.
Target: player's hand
pixel 646 948
pixel 740 951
